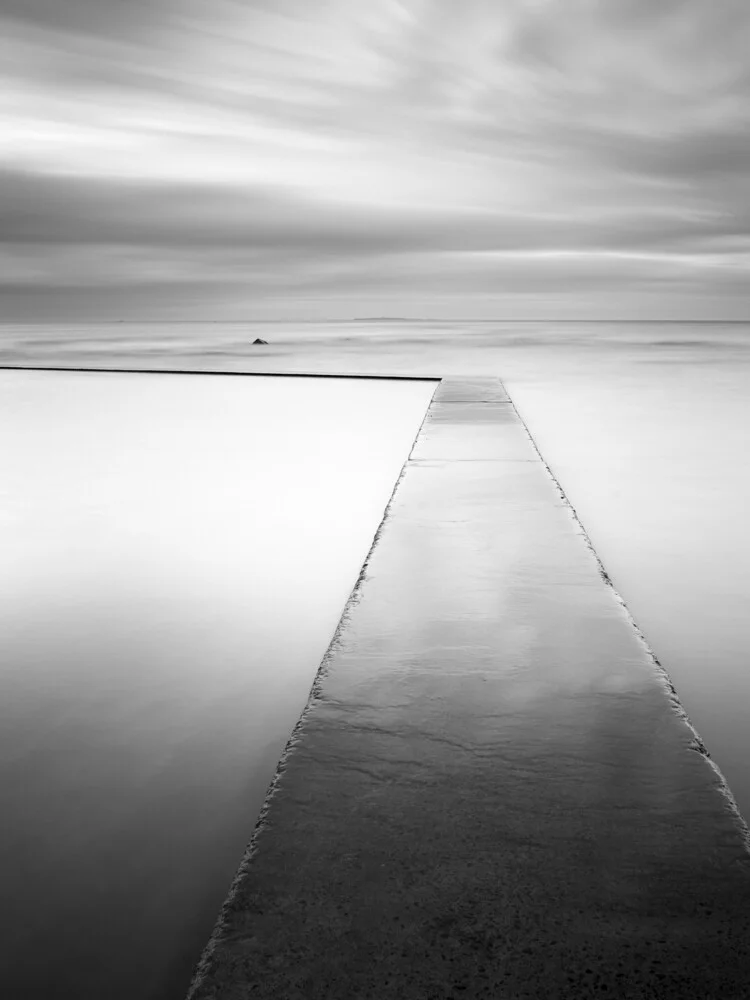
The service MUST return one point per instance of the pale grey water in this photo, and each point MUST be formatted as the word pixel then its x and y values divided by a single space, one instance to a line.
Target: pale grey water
pixel 177 552
pixel 645 425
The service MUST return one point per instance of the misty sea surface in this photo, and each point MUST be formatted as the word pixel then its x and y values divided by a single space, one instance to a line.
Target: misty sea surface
pixel 176 555
pixel 645 425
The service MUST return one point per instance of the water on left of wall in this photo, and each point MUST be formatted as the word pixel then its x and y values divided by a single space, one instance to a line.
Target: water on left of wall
pixel 176 553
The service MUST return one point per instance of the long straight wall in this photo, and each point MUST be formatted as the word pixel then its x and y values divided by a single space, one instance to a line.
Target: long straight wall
pixel 493 791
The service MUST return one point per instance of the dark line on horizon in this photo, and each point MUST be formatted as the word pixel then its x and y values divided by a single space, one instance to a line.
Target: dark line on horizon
pixel 199 371
pixel 361 319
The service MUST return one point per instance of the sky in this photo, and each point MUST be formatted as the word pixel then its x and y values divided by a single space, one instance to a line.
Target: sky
pixel 271 159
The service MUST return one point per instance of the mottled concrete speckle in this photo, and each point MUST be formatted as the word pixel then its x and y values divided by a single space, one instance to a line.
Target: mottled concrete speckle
pixel 490 793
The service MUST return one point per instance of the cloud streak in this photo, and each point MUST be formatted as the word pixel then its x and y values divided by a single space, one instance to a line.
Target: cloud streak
pixel 417 153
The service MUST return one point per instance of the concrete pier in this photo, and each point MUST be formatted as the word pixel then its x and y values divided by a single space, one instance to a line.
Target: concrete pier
pixel 493 791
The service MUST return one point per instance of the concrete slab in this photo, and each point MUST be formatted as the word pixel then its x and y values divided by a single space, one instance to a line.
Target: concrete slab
pixel 492 791
pixel 469 431
pixel 469 390
pixel 472 412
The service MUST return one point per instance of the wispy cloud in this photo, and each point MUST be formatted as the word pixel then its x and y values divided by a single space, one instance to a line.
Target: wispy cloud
pixel 413 153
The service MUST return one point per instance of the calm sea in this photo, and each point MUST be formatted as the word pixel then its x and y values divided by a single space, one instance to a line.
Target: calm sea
pixel 645 425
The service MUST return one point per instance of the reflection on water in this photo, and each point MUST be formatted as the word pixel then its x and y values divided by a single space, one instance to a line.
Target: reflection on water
pixel 176 555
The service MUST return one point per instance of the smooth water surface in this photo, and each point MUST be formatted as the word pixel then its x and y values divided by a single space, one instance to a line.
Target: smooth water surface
pixel 646 425
pixel 177 551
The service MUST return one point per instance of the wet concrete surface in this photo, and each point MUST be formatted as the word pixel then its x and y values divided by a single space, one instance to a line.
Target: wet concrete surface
pixel 493 791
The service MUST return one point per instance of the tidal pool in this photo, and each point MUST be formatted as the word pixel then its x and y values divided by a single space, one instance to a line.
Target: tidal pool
pixel 177 551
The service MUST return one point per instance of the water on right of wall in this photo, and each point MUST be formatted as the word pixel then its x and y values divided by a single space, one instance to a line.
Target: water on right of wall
pixel 647 428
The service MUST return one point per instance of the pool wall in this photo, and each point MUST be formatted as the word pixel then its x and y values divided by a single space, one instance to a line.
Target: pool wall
pixel 493 790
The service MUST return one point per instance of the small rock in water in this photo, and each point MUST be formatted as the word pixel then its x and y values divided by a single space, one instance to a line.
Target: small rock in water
pixel 259 341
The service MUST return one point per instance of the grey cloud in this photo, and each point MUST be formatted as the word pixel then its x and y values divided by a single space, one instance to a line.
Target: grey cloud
pixel 92 17
pixel 706 154
pixel 39 209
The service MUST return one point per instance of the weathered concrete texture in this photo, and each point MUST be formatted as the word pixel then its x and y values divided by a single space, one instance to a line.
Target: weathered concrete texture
pixel 492 792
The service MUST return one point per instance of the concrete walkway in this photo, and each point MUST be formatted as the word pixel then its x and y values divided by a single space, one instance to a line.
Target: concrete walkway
pixel 493 791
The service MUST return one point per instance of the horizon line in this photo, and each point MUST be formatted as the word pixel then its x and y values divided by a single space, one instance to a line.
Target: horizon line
pixel 368 319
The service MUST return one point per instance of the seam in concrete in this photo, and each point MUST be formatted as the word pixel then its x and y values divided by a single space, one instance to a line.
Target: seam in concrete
pixel 352 601
pixel 696 742
pixel 452 460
